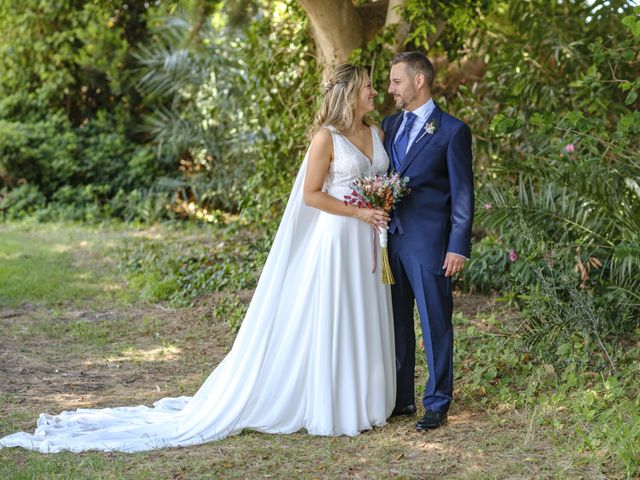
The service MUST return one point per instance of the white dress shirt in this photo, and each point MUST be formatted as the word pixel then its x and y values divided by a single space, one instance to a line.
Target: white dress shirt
pixel 422 112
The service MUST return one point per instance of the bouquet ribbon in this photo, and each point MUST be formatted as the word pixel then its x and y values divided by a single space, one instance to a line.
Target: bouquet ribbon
pixel 375 250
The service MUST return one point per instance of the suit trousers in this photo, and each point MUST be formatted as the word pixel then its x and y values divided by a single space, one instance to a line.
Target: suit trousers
pixel 432 295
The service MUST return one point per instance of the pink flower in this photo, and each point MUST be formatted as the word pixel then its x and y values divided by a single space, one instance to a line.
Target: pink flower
pixel 488 206
pixel 513 255
pixel 569 148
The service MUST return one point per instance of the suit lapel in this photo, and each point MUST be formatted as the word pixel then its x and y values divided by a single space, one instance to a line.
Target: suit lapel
pixel 388 139
pixel 422 140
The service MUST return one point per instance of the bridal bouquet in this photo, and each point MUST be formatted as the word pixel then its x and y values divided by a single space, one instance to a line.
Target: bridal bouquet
pixel 382 192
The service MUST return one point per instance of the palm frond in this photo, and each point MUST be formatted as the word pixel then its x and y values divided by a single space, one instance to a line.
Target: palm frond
pixel 172 133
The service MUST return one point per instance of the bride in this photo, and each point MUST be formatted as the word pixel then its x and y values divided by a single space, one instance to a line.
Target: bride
pixel 315 349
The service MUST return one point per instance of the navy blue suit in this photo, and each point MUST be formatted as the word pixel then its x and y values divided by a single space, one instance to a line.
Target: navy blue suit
pixel 435 218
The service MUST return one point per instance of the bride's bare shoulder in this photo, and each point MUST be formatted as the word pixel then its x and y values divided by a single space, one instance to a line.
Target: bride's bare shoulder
pixel 322 138
pixel 321 143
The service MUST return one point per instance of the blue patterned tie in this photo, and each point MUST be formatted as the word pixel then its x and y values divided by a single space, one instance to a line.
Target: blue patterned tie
pixel 403 140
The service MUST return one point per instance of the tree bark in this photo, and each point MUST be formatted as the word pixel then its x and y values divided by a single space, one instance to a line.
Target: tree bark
pixel 337 30
pixel 339 27
pixel 394 18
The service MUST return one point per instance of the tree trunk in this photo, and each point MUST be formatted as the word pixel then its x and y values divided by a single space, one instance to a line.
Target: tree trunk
pixel 337 30
pixel 339 27
pixel 394 18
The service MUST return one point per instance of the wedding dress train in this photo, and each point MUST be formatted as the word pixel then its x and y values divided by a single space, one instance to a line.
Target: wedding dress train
pixel 315 349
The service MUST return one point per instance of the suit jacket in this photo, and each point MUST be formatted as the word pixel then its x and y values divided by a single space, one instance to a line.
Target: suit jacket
pixel 436 216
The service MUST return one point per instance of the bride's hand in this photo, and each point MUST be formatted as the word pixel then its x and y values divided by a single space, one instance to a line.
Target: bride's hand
pixel 372 216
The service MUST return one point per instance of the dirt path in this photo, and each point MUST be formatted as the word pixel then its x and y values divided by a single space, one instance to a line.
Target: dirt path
pixel 128 356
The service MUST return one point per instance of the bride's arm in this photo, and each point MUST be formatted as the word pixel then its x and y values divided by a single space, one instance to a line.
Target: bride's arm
pixel 317 167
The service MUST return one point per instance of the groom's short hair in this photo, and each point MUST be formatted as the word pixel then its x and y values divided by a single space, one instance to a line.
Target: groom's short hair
pixel 417 62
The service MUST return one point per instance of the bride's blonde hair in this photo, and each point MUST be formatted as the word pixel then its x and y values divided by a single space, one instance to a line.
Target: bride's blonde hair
pixel 340 99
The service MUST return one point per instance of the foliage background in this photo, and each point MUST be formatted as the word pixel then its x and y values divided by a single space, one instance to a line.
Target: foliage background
pixel 198 111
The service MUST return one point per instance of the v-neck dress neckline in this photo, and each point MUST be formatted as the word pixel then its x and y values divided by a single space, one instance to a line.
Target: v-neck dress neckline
pixel 373 150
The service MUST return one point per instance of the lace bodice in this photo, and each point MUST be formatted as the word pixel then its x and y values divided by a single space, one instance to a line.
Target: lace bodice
pixel 349 163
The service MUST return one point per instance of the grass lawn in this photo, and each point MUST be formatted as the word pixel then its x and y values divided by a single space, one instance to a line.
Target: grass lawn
pixel 74 334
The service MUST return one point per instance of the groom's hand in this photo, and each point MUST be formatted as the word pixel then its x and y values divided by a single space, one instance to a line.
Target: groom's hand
pixel 453 263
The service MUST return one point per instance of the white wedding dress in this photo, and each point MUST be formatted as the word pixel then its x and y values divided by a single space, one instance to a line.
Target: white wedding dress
pixel 315 350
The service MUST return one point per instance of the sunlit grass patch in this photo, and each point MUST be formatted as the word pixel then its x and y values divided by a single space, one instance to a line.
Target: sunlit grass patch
pixel 164 353
pixel 46 266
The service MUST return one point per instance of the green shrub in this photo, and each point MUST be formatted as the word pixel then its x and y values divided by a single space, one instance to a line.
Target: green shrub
pixel 140 205
pixel 69 107
pixel 20 202
pixel 182 270
pixel 587 409
pixel 558 177
pixel 497 263
pixel 230 310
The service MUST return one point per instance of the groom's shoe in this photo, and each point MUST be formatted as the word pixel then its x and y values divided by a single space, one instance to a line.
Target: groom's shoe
pixel 404 410
pixel 431 420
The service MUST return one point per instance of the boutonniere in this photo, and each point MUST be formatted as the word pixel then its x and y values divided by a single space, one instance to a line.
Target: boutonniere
pixel 431 127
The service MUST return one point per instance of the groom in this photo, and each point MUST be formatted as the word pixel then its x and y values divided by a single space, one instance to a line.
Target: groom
pixel 430 231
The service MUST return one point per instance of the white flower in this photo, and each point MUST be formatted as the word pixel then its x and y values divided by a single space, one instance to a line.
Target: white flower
pixel 431 127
